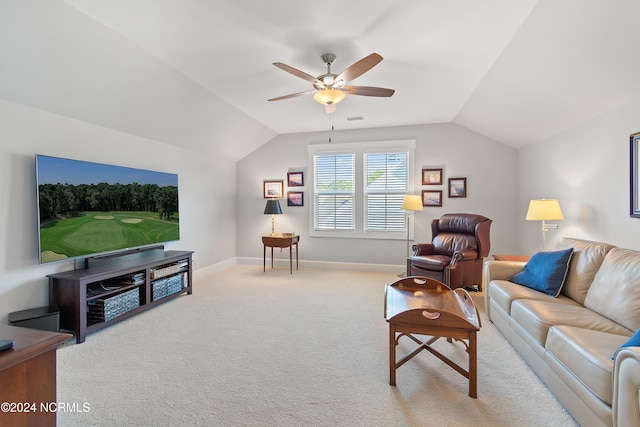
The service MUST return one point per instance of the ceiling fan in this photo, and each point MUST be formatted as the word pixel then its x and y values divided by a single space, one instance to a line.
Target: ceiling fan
pixel 330 88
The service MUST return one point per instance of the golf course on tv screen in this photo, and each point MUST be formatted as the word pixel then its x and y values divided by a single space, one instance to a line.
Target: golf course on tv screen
pixel 90 208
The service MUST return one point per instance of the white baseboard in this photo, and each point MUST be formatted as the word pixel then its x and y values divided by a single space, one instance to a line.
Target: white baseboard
pixel 327 265
pixel 213 268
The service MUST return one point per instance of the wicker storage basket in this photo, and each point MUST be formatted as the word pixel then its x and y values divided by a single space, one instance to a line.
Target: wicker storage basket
pixel 103 309
pixel 168 286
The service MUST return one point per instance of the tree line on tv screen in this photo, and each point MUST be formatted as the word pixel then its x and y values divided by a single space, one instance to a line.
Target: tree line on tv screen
pixel 57 200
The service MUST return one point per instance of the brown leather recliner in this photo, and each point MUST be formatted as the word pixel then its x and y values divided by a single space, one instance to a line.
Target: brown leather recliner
pixel 459 242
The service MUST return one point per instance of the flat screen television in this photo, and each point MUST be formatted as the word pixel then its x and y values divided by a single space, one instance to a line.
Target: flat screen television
pixel 87 209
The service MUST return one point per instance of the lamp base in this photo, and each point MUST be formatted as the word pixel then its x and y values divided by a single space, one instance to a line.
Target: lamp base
pixel 273 225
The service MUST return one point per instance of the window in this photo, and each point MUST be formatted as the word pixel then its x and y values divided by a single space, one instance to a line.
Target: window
pixel 334 192
pixel 358 189
pixel 385 187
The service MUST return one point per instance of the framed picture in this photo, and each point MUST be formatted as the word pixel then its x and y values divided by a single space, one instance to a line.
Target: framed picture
pixel 431 198
pixel 634 141
pixel 295 198
pixel 295 179
pixel 431 176
pixel 273 189
pixel 457 187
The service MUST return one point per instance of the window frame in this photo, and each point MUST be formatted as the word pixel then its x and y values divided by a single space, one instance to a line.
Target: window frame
pixel 359 149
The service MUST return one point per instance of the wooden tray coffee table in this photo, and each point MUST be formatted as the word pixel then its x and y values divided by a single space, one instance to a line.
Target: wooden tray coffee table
pixel 424 306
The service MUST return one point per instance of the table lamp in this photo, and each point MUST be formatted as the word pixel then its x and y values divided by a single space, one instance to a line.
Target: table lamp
pixel 273 208
pixel 544 210
pixel 411 202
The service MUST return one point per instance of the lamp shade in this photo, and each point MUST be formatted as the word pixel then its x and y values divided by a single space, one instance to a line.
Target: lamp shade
pixel 412 202
pixel 329 96
pixel 273 207
pixel 544 210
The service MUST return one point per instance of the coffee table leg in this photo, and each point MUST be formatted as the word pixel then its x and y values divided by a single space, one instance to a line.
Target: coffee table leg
pixel 473 366
pixel 392 355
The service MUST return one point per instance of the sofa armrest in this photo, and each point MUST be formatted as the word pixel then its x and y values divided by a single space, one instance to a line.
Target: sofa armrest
pixel 462 255
pixel 626 383
pixel 502 270
pixel 420 249
pixel 498 270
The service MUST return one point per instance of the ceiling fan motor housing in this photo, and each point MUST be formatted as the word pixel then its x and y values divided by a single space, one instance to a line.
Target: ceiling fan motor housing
pixel 328 80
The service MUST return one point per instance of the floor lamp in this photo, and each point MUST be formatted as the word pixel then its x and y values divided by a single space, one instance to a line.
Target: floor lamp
pixel 411 202
pixel 544 210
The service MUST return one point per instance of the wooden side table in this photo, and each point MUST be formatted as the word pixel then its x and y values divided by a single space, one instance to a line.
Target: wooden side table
pixel 28 376
pixel 516 258
pixel 279 241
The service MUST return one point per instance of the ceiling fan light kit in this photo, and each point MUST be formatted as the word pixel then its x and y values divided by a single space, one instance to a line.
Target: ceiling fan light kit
pixel 329 96
pixel 330 88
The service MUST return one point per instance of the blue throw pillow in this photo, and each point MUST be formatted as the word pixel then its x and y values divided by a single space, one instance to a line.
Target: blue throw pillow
pixel 634 341
pixel 545 271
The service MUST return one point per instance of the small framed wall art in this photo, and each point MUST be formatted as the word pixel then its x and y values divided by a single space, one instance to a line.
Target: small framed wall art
pixel 295 179
pixel 295 198
pixel 273 189
pixel 457 187
pixel 431 197
pixel 431 176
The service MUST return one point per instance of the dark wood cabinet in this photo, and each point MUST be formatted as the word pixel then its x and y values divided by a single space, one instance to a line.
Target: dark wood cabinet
pixel 28 377
pixel 115 288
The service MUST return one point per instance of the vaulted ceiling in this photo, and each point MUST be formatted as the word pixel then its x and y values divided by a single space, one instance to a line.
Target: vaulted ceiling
pixel 516 71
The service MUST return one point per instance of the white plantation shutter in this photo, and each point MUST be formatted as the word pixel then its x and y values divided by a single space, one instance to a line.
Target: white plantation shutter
pixel 386 183
pixel 334 192
pixel 358 189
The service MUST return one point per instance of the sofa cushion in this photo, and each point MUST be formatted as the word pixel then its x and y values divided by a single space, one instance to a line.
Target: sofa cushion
pixel 448 243
pixel 431 262
pixel 536 317
pixel 545 271
pixel 460 223
pixel 615 291
pixel 585 262
pixel 503 293
pixel 587 354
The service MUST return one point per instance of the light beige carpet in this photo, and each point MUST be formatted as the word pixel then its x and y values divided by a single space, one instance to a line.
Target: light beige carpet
pixel 272 349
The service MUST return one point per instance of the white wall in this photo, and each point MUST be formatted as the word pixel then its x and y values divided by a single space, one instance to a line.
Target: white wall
pixel 206 186
pixel 587 169
pixel 71 87
pixel 490 168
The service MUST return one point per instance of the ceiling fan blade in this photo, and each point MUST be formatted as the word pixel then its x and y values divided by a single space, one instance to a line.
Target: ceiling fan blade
pixel 369 91
pixel 295 72
pixel 293 95
pixel 360 67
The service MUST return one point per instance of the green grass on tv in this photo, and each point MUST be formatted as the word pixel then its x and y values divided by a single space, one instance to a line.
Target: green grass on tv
pixel 91 232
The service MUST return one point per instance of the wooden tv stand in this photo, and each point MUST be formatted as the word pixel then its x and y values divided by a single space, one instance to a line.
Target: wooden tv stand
pixel 115 288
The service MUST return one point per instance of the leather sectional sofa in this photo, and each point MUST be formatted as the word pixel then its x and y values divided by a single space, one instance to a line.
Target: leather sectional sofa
pixel 570 340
